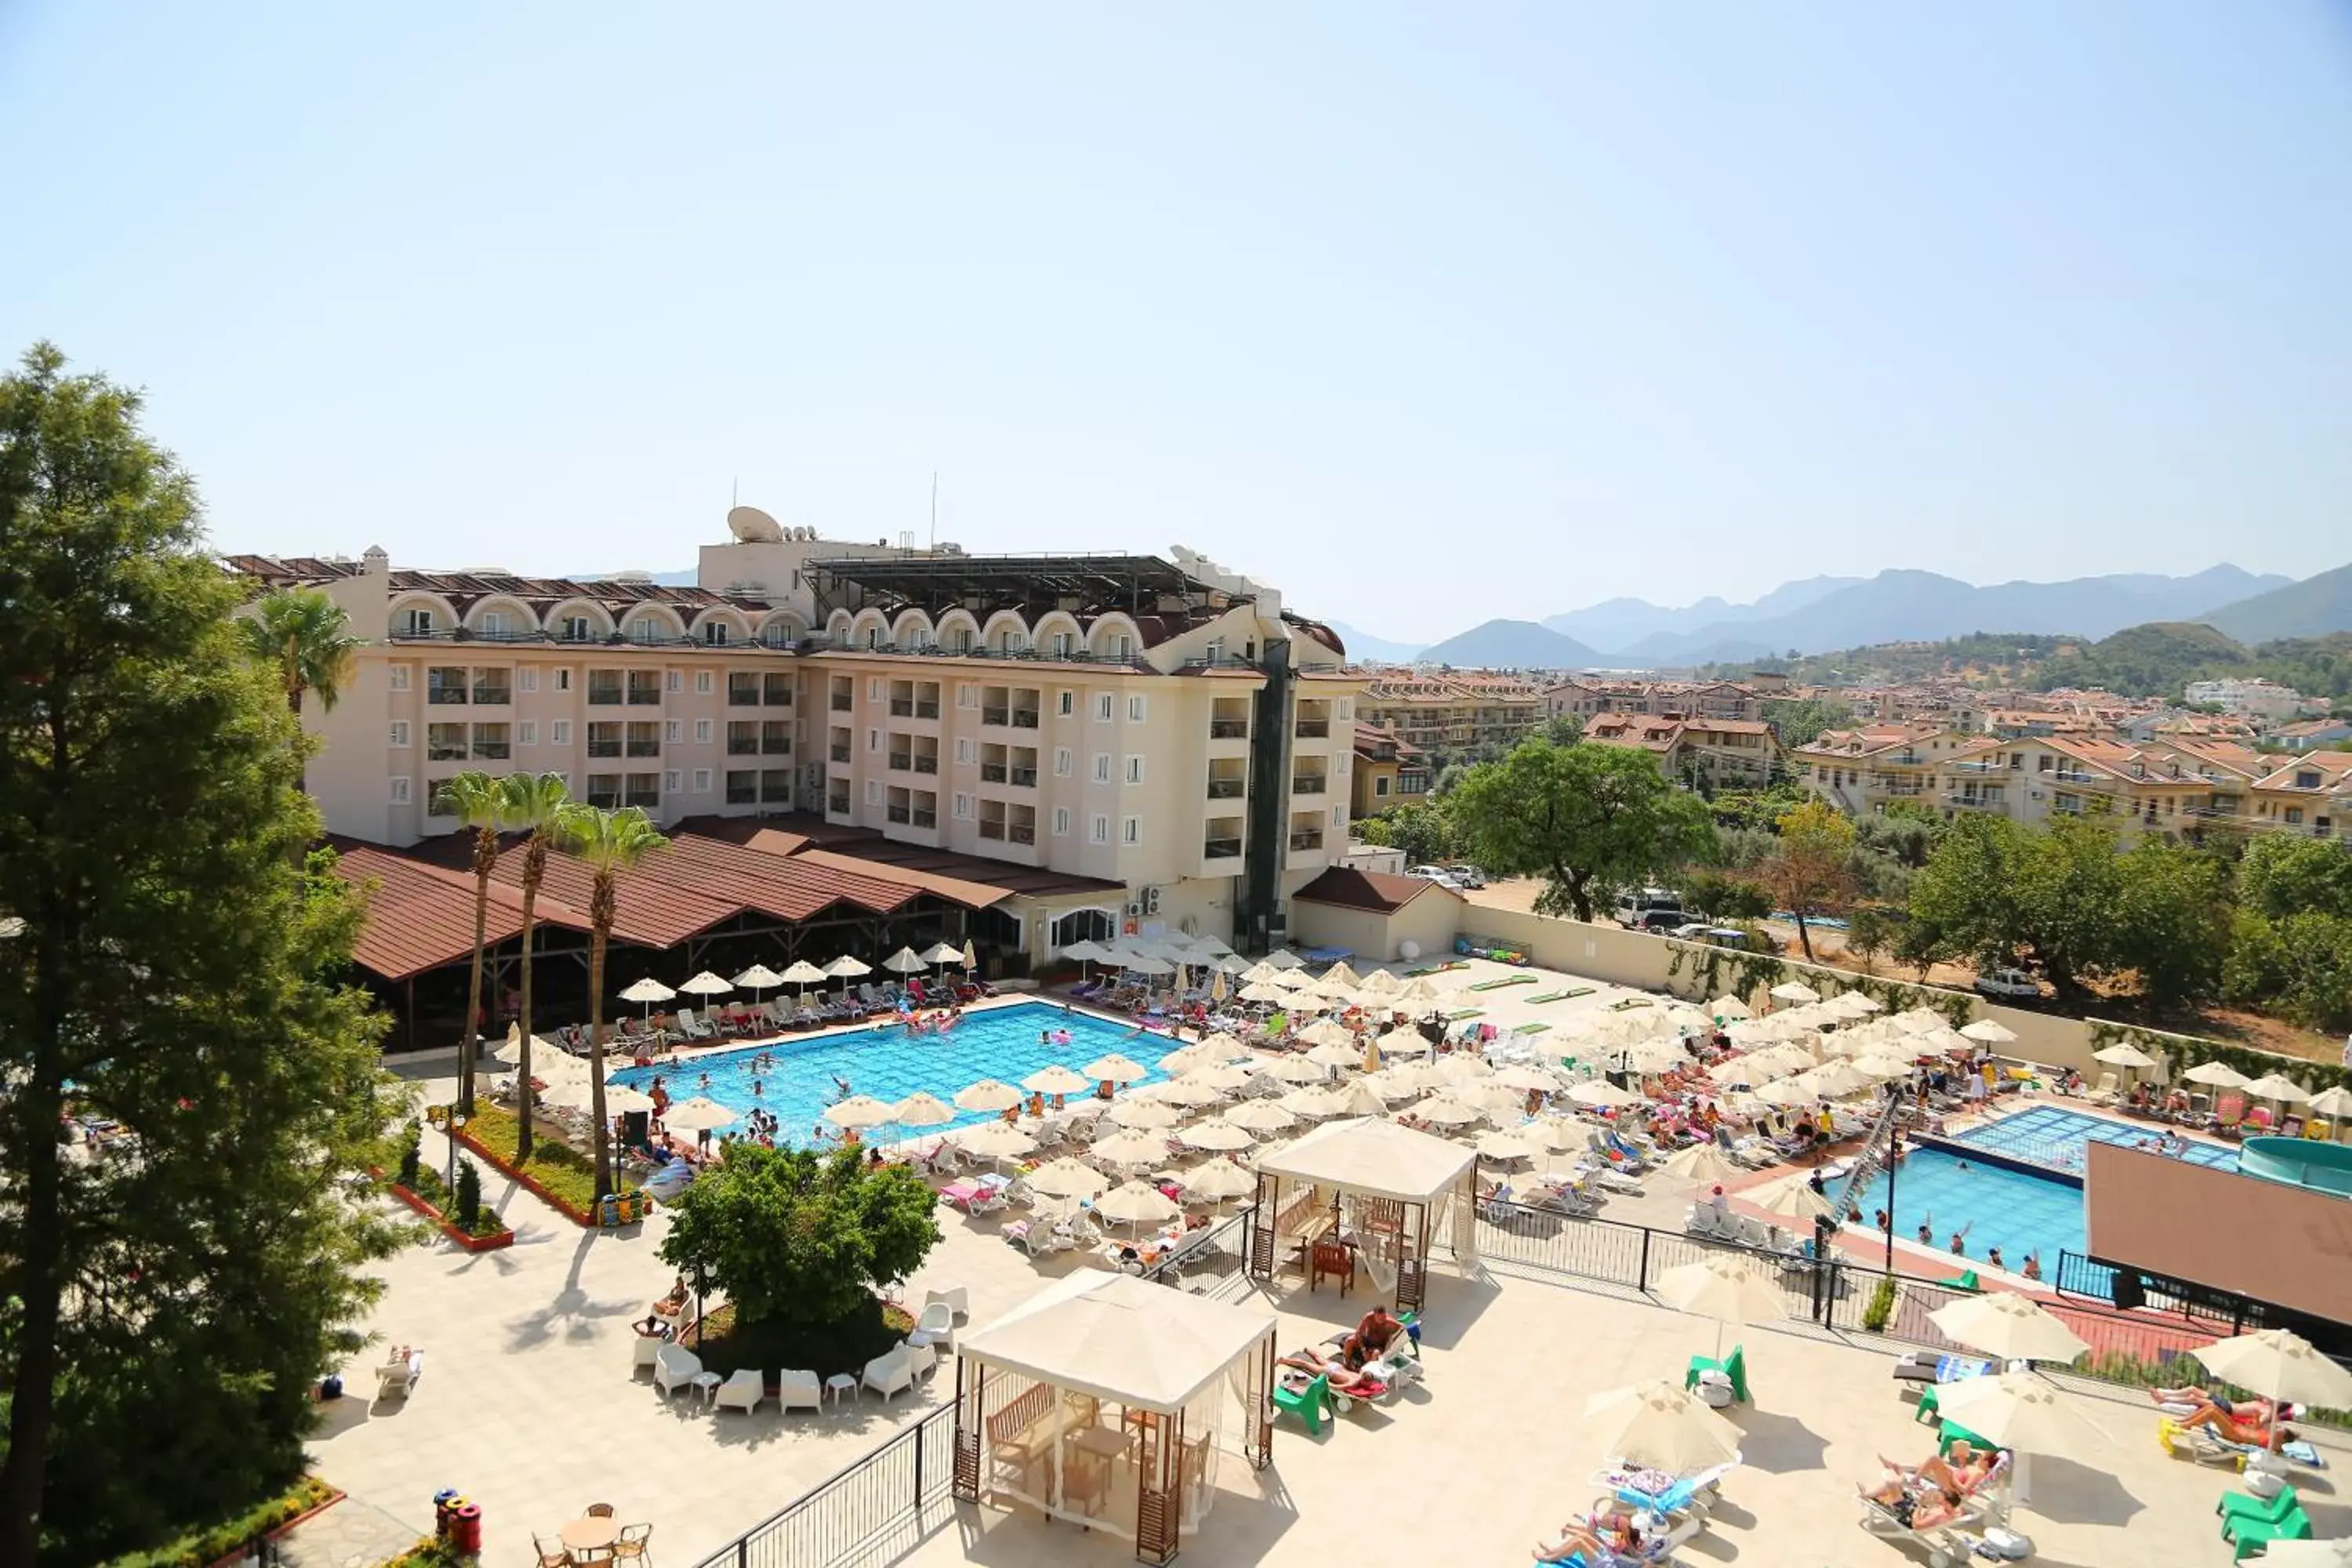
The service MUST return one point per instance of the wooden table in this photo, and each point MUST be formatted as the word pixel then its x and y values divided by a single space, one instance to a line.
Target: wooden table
pixel 589 1535
pixel 1102 1440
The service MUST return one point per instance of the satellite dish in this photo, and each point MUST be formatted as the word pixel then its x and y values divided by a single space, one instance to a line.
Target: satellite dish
pixel 749 525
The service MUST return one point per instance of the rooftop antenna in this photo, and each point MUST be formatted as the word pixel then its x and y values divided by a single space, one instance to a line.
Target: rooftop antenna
pixel 935 511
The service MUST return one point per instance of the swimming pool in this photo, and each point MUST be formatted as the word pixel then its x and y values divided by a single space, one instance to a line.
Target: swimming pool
pixel 2016 1211
pixel 884 1061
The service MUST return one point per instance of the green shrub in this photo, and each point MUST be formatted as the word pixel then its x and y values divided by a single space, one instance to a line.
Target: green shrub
pixel 553 1164
pixel 1880 1311
pixel 207 1544
pixel 409 1135
pixel 469 1196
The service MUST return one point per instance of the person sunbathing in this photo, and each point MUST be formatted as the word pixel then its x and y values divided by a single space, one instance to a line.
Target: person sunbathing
pixel 1373 1336
pixel 1913 1507
pixel 2244 1423
pixel 1584 1538
pixel 1956 1474
pixel 2250 1409
pixel 1345 1379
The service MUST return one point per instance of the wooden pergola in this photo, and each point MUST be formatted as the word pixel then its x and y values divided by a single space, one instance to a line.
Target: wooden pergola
pixel 1373 1185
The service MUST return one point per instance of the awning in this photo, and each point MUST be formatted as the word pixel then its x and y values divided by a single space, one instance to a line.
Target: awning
pixel 1379 1158
pixel 1121 1339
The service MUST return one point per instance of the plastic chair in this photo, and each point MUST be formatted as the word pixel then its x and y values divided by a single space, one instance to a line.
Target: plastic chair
pixel 1733 1367
pixel 2263 1510
pixel 2248 1536
pixel 1310 1404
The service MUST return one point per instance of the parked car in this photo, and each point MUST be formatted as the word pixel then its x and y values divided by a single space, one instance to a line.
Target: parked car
pixel 1468 875
pixel 2011 984
pixel 1651 908
pixel 1437 873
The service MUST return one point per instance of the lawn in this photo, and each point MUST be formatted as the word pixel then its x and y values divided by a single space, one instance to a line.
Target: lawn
pixel 563 1171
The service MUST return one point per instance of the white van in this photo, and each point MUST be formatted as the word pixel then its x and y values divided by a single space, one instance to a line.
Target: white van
pixel 1651 908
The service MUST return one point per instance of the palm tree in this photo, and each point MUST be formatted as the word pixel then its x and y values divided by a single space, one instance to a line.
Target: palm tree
pixel 534 804
pixel 480 803
pixel 301 635
pixel 607 843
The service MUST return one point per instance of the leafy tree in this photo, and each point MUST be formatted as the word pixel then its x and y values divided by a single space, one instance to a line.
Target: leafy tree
pixel 1918 943
pixel 1719 897
pixel 535 804
pixel 2300 964
pixel 1424 830
pixel 1755 810
pixel 2286 874
pixel 1449 777
pixel 1563 729
pixel 1811 876
pixel 304 638
pixel 608 843
pixel 164 1314
pixel 1902 833
pixel 1744 848
pixel 1868 932
pixel 1587 818
pixel 1798 721
pixel 2171 921
pixel 2001 893
pixel 795 1236
pixel 480 803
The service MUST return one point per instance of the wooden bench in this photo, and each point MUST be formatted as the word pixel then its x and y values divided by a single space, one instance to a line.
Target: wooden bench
pixel 1019 1433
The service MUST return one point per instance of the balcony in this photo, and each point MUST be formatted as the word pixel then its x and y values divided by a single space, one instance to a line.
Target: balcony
pixel 1228 789
pixel 839 753
pixel 997 716
pixel 991 773
pixel 1220 849
pixel 1313 729
pixel 491 751
pixel 1024 778
pixel 743 789
pixel 928 709
pixel 900 815
pixel 841 701
pixel 902 707
pixel 901 762
pixel 604 748
pixel 1229 729
pixel 926 762
pixel 1024 718
pixel 637 748
pixel 445 750
pixel 992 829
pixel 445 696
pixel 1308 783
pixel 1309 840
pixel 601 696
pixel 1021 833
pixel 643 693
pixel 743 745
pixel 837 805
pixel 922 818
pixel 488 696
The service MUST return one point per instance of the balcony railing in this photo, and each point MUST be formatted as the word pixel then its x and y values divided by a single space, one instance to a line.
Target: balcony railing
pixel 837 805
pixel 1024 718
pixel 927 764
pixel 742 746
pixel 776 746
pixel 1308 783
pixel 1228 789
pixel 445 750
pixel 644 696
pixel 901 762
pixel 493 696
pixel 604 697
pixel 1221 848
pixel 839 753
pixel 928 709
pixel 1229 729
pixel 742 794
pixel 841 701
pixel 1021 833
pixel 901 707
pixel 927 819
pixel 604 748
pixel 1313 728
pixel 445 696
pixel 992 829
pixel 991 773
pixel 995 715
pixel 643 749
pixel 1307 840
pixel 491 751
pixel 742 696
pixel 1024 778
pixel 900 814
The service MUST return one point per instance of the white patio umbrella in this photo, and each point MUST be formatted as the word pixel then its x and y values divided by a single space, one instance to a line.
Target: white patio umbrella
pixel 1144 1113
pixel 1602 1095
pixel 1325 1032
pixel 2007 1327
pixel 1263 992
pixel 804 975
pixel 1057 1079
pixel 1217 1180
pixel 2278 1363
pixel 620 1099
pixel 1185 1058
pixel 2278 1086
pixel 1556 1133
pixel 1335 1056
pixel 1659 1424
pixel 1504 1146
pixel 758 978
pixel 1727 1288
pixel 1259 1116
pixel 995 1140
pixel 648 991
pixel 1989 1032
pixel 1445 1110
pixel 1380 983
pixel 860 1110
pixel 1313 1100
pixel 948 953
pixel 1882 1067
pixel 1117 1067
pixel 1295 1069
pixel 970 956
pixel 923 1109
pixel 706 984
pixel 1403 1043
pixel 1206 1086
pixel 1282 958
pixel 1144 964
pixel 1232 965
pixel 846 969
pixel 699 1114
pixel 1795 1199
pixel 1795 991
pixel 2216 1075
pixel 906 961
pixel 1787 1091
pixel 1216 1135
pixel 2337 1102
pixel 1137 1203
pixel 1728 1007
pixel 2124 1056
pixel 1292 981
pixel 1702 1164
pixel 1462 1067
pixel 1066 1178
pixel 988 1094
pixel 1133 1149
pixel 2021 1413
pixel 1522 1076
pixel 1357 1097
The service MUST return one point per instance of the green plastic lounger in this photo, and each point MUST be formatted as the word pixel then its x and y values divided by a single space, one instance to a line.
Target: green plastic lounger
pixel 1506 980
pixel 1459 1014
pixel 1546 996
pixel 2248 1536
pixel 1532 1030
pixel 1308 1403
pixel 1967 1281
pixel 1573 991
pixel 1733 1367
pixel 2261 1510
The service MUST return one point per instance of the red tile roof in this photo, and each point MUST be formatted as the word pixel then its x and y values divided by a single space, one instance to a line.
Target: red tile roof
pixel 421 916
pixel 1375 891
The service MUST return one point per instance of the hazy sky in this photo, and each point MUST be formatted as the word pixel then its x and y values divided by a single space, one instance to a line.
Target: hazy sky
pixel 1427 313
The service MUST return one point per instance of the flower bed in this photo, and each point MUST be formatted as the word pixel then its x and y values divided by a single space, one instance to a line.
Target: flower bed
pixel 225 1541
pixel 419 1186
pixel 557 1172
pixel 490 1232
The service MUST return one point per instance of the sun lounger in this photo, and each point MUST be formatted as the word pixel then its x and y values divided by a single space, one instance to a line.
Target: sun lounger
pixel 1733 1367
pixel 1503 981
pixel 1609 1178
pixel 1525 1029
pixel 1548 996
pixel 1309 1402
pixel 1461 1015
pixel 398 1378
pixel 1947 1546
pixel 2207 1447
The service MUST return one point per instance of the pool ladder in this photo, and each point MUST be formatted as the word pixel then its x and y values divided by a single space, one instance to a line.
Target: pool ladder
pixel 1871 1159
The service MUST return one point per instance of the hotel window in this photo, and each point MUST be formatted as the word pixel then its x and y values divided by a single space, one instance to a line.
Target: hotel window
pixel 670 780
pixel 573 629
pixel 644 628
pixel 1102 767
pixel 1130 830
pixel 415 623
pixel 1134 770
pixel 1098 830
pixel 963 748
pixel 564 680
pixel 702 780
pixel 1061 819
pixel 400 792
pixel 641 789
pixel 776 690
pixel 526 733
pixel 1339 816
pixel 1062 761
pixel 1380 787
pixel 874 791
pixel 874 688
pixel 1066 703
pixel 674 731
pixel 702 732
pixel 559 733
pixel 1135 710
pixel 967 695
pixel 1123 646
pixel 2295 815
pixel 1061 645
pixel 1346 708
pixel 743 689
pixel 742 787
pixel 495 624
pixel 703 683
pixel 714 633
pixel 673 680
pixel 1102 707
pixel 400 731
pixel 964 807
pixel 526 679
pixel 400 678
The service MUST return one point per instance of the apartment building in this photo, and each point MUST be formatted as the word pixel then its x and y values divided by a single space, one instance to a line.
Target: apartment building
pixel 1865 769
pixel 2250 699
pixel 1388 772
pixel 1726 753
pixel 2173 791
pixel 2310 794
pixel 1588 697
pixel 1452 711
pixel 1163 724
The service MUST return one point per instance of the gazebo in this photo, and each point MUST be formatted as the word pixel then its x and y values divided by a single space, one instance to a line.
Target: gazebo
pixel 1101 1399
pixel 1383 1188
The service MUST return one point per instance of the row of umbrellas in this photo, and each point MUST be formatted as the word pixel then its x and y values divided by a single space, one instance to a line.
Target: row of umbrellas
pixel 759 978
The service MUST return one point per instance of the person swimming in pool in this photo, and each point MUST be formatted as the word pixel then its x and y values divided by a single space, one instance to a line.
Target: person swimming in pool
pixel 755 1089
pixel 841 1084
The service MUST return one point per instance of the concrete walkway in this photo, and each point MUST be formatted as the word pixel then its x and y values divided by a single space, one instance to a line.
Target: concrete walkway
pixel 350 1534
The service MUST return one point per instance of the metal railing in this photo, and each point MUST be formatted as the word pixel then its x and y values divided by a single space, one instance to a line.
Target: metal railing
pixel 1227 789
pixel 1221 848
pixel 849 1515
pixel 1209 1264
pixel 1229 729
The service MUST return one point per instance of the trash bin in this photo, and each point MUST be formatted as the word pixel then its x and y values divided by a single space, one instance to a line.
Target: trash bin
pixel 443 1501
pixel 465 1527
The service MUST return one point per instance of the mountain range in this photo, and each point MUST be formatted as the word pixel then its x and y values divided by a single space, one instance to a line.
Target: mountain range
pixel 1817 614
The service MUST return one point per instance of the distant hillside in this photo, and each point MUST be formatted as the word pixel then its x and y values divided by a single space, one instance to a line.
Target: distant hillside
pixel 1364 645
pixel 1924 606
pixel 2311 608
pixel 1511 644
pixel 2154 660
pixel 1622 623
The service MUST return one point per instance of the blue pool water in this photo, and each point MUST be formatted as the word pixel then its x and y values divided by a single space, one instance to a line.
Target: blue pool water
pixel 2016 1211
pixel 887 1063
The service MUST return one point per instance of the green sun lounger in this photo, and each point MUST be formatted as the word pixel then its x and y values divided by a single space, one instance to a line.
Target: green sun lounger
pixel 2247 1536
pixel 1506 980
pixel 1733 1367
pixel 1461 1013
pixel 1546 996
pixel 2261 1510
pixel 1310 1404
pixel 1532 1030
